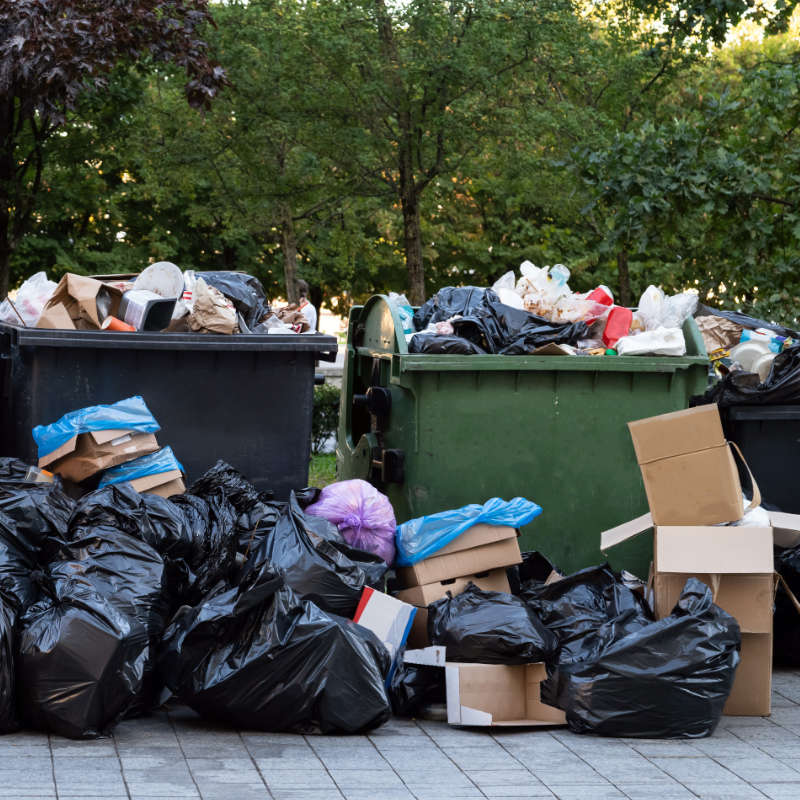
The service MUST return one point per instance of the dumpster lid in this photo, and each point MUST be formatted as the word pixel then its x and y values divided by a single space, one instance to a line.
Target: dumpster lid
pixel 322 345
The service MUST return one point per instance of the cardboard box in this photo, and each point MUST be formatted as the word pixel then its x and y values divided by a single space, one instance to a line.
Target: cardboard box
pixel 88 453
pixel 689 473
pixel 481 548
pixel 736 562
pixel 498 695
pixel 387 617
pixel 74 304
pixel 751 695
pixel 164 484
pixel 422 596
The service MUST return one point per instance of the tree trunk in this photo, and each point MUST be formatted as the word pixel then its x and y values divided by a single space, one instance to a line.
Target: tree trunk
pixel 289 247
pixel 5 259
pixel 412 239
pixel 624 278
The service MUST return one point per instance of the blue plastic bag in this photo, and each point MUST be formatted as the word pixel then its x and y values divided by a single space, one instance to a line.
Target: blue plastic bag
pixel 129 414
pixel 162 460
pixel 422 537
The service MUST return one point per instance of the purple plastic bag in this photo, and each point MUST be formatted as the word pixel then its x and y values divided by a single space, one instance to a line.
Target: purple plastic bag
pixel 364 516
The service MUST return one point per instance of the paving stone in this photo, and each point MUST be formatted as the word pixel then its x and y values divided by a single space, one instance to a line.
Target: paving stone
pixel 489 756
pixel 655 790
pixel 366 779
pixel 510 777
pixel 780 791
pixel 696 768
pixel 226 791
pixel 598 791
pixel 385 794
pixel 294 779
pixel 727 792
pixel 760 769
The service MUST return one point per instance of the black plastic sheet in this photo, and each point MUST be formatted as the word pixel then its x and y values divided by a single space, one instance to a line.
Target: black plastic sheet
pixel 490 628
pixel 443 345
pixel 745 388
pixel 449 302
pixel 9 716
pixel 257 656
pixel 245 291
pixel 414 687
pixel 669 679
pixel 315 561
pixel 575 607
pixel 534 569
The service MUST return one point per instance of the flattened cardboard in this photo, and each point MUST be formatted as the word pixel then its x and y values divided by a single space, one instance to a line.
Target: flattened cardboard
pixel 677 433
pixel 422 596
pixel 726 550
pixel 73 304
pixel 89 453
pixel 494 580
pixel 476 536
pixel 700 488
pixel 785 528
pixel 747 598
pixel 751 695
pixel 161 483
pixel 465 562
pixel 498 695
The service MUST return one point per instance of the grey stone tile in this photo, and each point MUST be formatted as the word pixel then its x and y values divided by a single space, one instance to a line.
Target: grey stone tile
pixel 655 790
pixel 239 791
pixel 25 781
pixel 161 781
pixel 573 777
pixel 91 748
pixel 760 769
pixel 446 793
pixel 365 759
pixel 385 794
pixel 366 779
pixel 488 756
pixel 406 758
pixel 507 778
pixel 306 760
pixel 25 763
pixel 26 748
pixel 283 739
pixel 306 794
pixel 739 791
pixel 599 791
pixel 423 778
pixel 780 791
pixel 150 758
pixel 518 793
pixel 698 769
pixel 654 748
pixel 293 779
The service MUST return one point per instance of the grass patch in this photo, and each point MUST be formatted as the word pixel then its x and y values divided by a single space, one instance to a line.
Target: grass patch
pixel 322 470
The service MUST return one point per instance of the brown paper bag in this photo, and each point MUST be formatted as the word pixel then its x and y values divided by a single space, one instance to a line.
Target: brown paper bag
pixel 73 305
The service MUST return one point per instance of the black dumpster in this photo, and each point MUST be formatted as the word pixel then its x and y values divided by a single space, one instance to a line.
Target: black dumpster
pixel 769 437
pixel 244 398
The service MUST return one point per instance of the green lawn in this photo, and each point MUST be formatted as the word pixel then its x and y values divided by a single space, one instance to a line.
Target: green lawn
pixel 322 470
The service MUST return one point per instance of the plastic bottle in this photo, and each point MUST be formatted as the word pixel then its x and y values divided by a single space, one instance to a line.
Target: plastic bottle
pixel 559 274
pixel 618 325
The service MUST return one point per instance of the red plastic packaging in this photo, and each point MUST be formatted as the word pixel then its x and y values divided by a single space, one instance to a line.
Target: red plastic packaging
pixel 601 295
pixel 618 325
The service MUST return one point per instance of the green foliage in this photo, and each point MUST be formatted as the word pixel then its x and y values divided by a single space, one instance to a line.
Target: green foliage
pixel 322 470
pixel 325 421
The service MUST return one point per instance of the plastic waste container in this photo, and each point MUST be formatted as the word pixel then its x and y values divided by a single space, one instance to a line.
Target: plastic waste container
pixel 769 437
pixel 246 398
pixel 439 431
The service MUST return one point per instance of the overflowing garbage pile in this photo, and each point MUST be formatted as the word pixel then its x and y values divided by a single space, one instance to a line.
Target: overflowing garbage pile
pixel 160 298
pixel 319 613
pixel 539 314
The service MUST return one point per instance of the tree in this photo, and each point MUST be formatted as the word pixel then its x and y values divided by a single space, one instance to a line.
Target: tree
pixel 52 52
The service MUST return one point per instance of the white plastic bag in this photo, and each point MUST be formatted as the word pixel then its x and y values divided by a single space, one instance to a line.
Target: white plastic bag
pixel 656 310
pixel 678 309
pixel 651 308
pixel 404 310
pixel 31 299
pixel 660 342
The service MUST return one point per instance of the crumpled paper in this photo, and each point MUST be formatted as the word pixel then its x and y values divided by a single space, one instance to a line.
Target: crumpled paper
pixel 212 312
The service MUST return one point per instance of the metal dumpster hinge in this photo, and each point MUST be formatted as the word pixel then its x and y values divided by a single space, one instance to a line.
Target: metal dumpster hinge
pixel 388 466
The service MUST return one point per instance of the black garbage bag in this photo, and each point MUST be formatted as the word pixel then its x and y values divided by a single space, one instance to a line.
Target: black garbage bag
pixel 17 592
pixel 12 469
pixel 40 512
pixel 414 687
pixel 254 509
pixel 245 291
pixel 315 561
pixel 257 656
pixel 504 330
pixel 745 388
pixel 669 679
pixel 534 569
pixel 575 607
pixel 444 345
pixel 81 662
pixel 490 628
pixel 786 630
pixel 449 302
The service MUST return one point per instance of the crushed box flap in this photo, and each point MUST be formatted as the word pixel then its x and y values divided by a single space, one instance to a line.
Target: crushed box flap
pixel 151 481
pixel 627 530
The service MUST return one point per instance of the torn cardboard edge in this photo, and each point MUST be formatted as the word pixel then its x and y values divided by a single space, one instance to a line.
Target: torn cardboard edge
pixel 164 484
pixel 116 437
pixel 498 695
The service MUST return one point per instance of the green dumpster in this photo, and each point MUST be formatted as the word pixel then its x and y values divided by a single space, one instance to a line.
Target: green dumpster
pixel 439 431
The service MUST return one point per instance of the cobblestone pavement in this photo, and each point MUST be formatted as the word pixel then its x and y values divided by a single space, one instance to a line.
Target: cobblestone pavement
pixel 174 755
